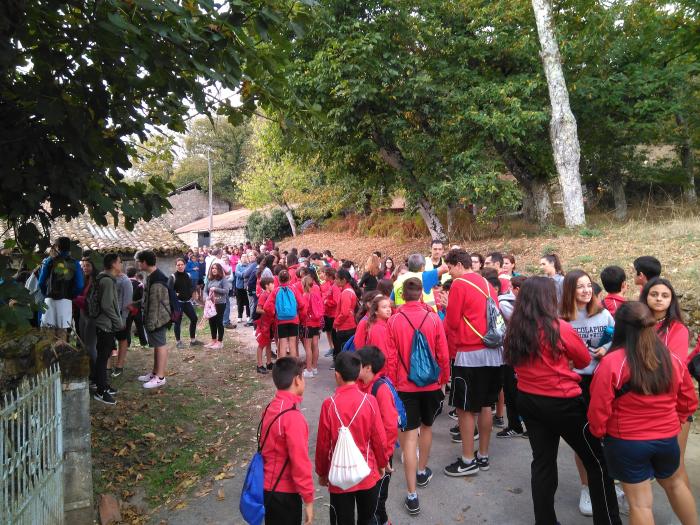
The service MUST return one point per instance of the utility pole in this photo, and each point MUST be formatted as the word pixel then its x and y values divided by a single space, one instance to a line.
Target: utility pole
pixel 211 197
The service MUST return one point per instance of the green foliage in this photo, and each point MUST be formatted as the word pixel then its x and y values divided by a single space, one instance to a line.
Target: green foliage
pixel 261 226
pixel 590 232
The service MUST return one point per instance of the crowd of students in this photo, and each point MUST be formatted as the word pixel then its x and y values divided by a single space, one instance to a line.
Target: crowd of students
pixel 608 375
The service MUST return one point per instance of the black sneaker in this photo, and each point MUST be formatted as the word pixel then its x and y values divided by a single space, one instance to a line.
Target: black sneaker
pixel 482 462
pixel 454 431
pixel 105 397
pixel 422 480
pixel 525 435
pixel 111 390
pixel 269 366
pixel 459 468
pixel 412 505
pixel 116 372
pixel 508 433
pixel 453 414
pixel 261 370
pixel 499 422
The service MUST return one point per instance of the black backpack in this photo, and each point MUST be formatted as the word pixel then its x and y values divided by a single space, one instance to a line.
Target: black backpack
pixel 137 291
pixel 61 281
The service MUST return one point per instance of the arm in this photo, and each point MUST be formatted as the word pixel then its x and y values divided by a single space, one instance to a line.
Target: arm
pixel 109 304
pixel 343 308
pixel 442 352
pixel 302 303
pixel 44 275
pixel 453 315
pixel 392 360
pixel 378 436
pixel 574 347
pixel 297 441
pixel 602 397
pixel 79 280
pixel 686 400
pixel 323 442
pixel 430 279
pixel 506 310
pixel 387 410
pixel 269 308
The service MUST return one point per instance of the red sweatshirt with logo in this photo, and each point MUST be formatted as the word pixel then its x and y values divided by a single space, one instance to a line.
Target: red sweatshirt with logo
pixel 467 301
pixel 676 338
pixel 270 304
pixel 553 377
pixel 612 302
pixel 636 416
pixel 400 343
pixel 367 431
pixel 345 311
pixel 288 439
pixel 387 410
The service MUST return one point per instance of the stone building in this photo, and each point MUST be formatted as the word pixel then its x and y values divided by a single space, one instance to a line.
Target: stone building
pixel 228 228
pixel 190 203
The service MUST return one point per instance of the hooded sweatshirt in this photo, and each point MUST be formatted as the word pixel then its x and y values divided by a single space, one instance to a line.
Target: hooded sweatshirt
pixel 109 319
pixel 156 302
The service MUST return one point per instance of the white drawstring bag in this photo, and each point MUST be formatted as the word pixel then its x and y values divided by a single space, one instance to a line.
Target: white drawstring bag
pixel 348 465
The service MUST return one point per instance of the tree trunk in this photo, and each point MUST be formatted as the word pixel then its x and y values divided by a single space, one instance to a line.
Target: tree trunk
pixel 618 188
pixel 290 217
pixel 541 201
pixel 432 221
pixel 563 134
pixel 687 161
pixel 451 210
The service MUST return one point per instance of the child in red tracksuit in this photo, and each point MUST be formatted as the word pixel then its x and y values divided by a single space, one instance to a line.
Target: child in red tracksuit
pixel 288 475
pixel 344 323
pixel 313 305
pixel 331 294
pixel 372 365
pixel 361 412
pixel 264 325
pixel 614 281
pixel 373 329
pixel 287 329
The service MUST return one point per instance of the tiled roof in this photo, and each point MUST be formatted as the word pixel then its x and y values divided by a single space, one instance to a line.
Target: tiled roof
pixel 155 235
pixel 230 220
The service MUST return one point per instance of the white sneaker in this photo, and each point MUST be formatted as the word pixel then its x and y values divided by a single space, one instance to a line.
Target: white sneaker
pixel 622 502
pixel 585 506
pixel 156 382
pixel 308 373
pixel 146 378
pixel 315 372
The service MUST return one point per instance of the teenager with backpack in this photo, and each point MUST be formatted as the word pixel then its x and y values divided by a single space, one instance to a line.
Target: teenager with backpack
pixel 313 305
pixel 103 306
pixel 288 473
pixel 540 347
pixel 350 446
pixel 476 373
pixel 60 281
pixel 287 305
pixel 157 313
pixel 372 380
pixel 639 393
pixel 417 363
pixel 344 323
pixel 86 324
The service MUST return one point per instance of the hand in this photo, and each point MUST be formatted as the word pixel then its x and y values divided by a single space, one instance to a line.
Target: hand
pixel 309 507
pixel 443 299
pixel 382 471
pixel 323 481
pixel 443 269
pixel 388 469
pixel 600 352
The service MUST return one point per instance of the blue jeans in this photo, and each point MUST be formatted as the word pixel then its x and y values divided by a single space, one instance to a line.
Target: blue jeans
pixel 227 311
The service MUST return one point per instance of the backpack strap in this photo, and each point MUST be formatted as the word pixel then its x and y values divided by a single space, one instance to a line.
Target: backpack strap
pixel 375 387
pixel 335 407
pixel 484 294
pixel 269 427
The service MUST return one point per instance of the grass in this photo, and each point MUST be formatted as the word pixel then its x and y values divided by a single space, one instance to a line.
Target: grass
pixel 154 446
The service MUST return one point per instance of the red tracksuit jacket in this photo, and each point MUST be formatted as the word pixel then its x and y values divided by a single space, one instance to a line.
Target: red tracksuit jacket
pixel 345 312
pixel 676 338
pixel 399 343
pixel 367 431
pixel 288 438
pixel 331 296
pixel 270 304
pixel 636 416
pixel 548 377
pixel 612 302
pixel 387 410
pixel 467 301
pixel 309 319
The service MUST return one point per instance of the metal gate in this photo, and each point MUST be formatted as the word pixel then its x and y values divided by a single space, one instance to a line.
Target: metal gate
pixel 31 452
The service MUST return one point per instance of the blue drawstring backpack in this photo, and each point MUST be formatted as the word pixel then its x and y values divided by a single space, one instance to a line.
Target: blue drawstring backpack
pixel 400 408
pixel 349 345
pixel 423 370
pixel 252 503
pixel 285 304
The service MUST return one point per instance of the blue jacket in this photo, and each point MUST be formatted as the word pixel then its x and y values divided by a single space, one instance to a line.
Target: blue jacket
pixel 240 272
pixel 193 269
pixel 79 279
pixel 250 273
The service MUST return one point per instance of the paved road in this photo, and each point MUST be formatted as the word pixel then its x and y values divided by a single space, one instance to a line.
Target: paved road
pixel 499 496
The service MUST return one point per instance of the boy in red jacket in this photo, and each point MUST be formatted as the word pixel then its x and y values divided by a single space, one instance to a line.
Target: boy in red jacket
pixel 361 412
pixel 422 404
pixel 288 477
pixel 264 325
pixel 615 284
pixel 372 364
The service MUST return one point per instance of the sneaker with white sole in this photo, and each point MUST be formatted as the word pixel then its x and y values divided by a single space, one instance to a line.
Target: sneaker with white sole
pixel 585 506
pixel 146 378
pixel 156 382
pixel 422 479
pixel 412 505
pixel 508 433
pixel 179 345
pixel 105 397
pixel 499 422
pixel 453 414
pixel 459 468
pixel 315 372
pixel 308 373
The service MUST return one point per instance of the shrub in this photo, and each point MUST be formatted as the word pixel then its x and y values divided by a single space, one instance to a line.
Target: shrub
pixel 274 225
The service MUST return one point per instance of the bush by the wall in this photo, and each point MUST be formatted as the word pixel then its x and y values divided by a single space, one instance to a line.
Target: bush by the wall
pixel 273 225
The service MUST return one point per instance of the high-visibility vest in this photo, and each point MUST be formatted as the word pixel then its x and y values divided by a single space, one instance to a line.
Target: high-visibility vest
pixel 429 266
pixel 428 298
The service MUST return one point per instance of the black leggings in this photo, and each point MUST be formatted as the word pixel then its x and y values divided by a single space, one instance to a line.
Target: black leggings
pixel 105 344
pixel 216 323
pixel 241 301
pixel 343 506
pixel 340 337
pixel 188 310
pixel 510 393
pixel 548 419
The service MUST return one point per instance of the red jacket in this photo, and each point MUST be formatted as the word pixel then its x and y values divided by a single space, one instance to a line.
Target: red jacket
pixel 267 319
pixel 345 312
pixel 636 416
pixel 270 304
pixel 331 296
pixel 378 336
pixel 676 338
pixel 399 346
pixel 387 409
pixel 288 438
pixel 367 431
pixel 309 319
pixel 293 273
pixel 612 302
pixel 467 301
pixel 695 352
pixel 545 376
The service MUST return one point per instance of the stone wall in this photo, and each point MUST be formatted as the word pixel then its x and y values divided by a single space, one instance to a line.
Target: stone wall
pixel 77 459
pixel 220 237
pixel 192 205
